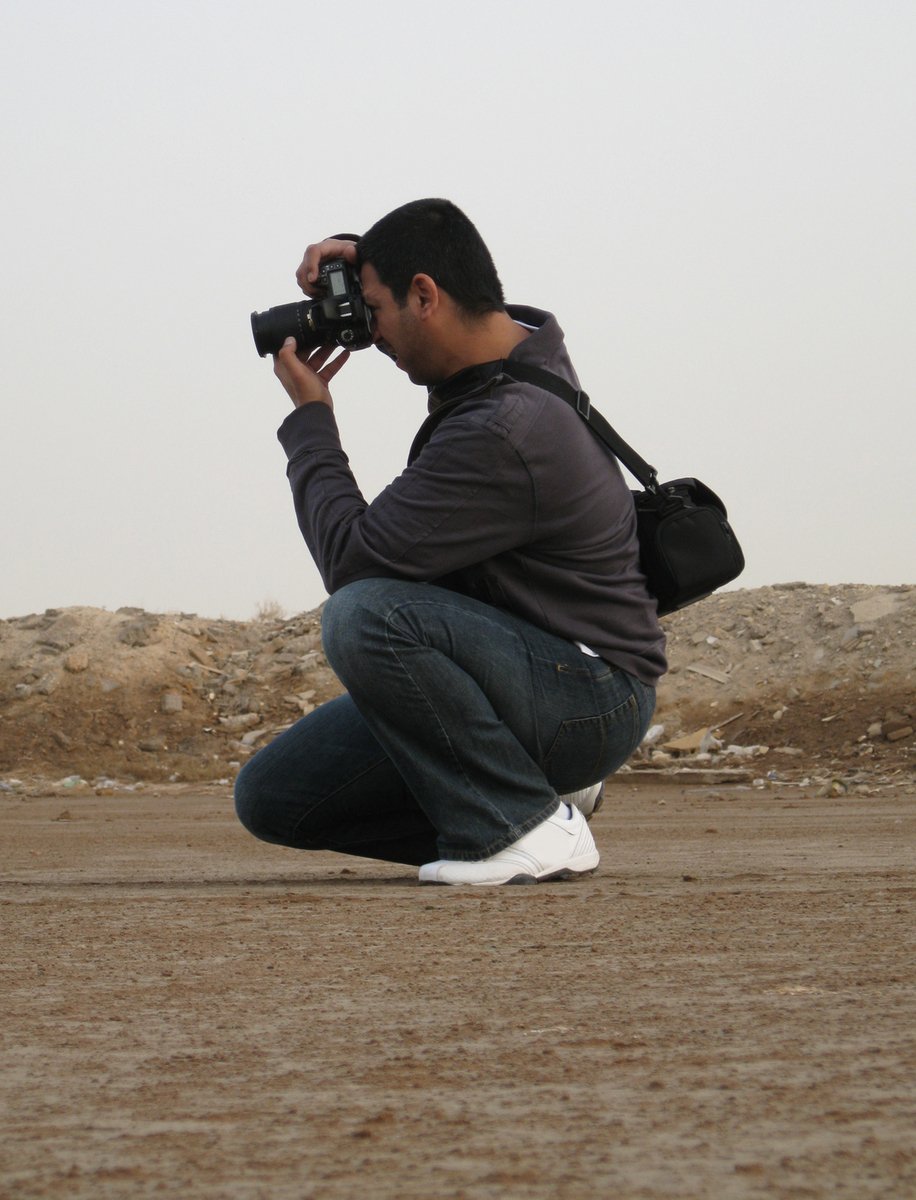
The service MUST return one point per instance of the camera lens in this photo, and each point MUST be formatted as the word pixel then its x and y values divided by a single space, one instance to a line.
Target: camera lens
pixel 272 327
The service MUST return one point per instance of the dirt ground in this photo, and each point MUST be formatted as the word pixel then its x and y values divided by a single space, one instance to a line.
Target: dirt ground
pixel 725 1009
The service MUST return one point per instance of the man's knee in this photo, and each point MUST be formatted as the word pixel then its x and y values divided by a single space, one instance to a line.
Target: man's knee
pixel 252 805
pixel 354 617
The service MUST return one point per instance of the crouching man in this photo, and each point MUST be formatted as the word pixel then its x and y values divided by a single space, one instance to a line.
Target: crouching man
pixel 487 614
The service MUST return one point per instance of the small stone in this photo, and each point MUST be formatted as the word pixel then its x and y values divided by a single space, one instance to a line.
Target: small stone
pixel 253 735
pixel 140 632
pixel 76 661
pixel 47 684
pixel 241 721
pixel 708 672
pixel 894 731
pixel 152 745
pixel 171 702
pixel 660 758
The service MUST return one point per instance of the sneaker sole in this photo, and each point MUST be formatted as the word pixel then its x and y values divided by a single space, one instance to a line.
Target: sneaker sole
pixel 564 873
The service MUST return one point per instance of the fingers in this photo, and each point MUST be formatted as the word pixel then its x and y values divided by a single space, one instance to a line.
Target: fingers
pixel 318 362
pixel 328 372
pixel 306 375
pixel 315 255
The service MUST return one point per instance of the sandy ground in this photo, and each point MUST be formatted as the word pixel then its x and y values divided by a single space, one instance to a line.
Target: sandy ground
pixel 725 1009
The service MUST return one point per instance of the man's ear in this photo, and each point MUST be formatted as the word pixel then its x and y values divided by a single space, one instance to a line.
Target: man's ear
pixel 425 293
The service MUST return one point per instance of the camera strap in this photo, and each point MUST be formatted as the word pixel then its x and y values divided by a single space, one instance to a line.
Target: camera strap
pixel 635 463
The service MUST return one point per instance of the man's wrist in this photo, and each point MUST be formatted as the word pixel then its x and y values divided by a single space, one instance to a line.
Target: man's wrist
pixel 309 427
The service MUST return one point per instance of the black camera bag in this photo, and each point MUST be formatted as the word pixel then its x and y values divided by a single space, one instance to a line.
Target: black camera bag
pixel 687 548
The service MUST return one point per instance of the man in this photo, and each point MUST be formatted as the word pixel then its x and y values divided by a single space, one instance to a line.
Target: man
pixel 487 614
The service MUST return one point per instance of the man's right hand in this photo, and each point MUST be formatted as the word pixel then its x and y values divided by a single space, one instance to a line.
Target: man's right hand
pixel 307 273
pixel 305 374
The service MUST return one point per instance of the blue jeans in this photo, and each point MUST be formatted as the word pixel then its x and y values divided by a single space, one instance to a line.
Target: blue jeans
pixel 461 724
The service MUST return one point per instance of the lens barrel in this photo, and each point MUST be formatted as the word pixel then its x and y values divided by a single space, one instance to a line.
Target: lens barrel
pixel 272 327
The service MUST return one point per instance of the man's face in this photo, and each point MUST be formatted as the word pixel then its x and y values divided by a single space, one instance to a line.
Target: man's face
pixel 395 329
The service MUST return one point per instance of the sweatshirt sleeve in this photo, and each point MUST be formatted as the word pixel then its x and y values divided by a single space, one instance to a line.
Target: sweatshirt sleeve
pixel 466 497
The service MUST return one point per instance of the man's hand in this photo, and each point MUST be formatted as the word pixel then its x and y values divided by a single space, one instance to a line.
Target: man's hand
pixel 307 273
pixel 306 376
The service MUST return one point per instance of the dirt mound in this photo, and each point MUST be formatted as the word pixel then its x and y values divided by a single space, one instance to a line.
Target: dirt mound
pixel 137 695
pixel 826 671
pixel 795 675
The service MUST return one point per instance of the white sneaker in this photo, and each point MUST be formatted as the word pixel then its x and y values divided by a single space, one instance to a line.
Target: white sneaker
pixel 558 848
pixel 588 800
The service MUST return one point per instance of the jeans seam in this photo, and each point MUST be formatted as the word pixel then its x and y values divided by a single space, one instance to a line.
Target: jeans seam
pixel 323 800
pixel 422 695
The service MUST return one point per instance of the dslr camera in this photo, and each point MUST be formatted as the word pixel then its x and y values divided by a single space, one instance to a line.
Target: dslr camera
pixel 339 317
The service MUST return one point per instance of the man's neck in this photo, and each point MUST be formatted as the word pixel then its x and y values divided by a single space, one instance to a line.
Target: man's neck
pixel 486 339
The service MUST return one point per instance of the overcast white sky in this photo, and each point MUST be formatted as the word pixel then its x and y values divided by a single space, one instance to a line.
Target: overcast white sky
pixel 716 197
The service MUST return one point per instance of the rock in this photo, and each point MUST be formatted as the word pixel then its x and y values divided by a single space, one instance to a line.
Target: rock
pixel 171 702
pixel 708 672
pixel 746 751
pixel 697 742
pixel 76 661
pixel 240 721
pixel 62 633
pixel 894 731
pixel 142 631
pixel 873 608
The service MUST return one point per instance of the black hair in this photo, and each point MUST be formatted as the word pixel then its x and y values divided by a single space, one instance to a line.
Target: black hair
pixel 435 238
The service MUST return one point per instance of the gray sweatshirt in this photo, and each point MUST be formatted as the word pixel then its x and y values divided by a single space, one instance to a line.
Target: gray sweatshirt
pixel 507 497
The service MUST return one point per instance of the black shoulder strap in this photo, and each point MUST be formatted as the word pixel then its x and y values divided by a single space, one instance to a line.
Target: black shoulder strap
pixel 634 463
